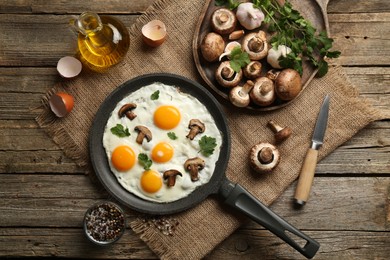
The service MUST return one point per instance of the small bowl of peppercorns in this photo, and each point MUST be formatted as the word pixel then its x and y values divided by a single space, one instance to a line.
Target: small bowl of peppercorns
pixel 104 223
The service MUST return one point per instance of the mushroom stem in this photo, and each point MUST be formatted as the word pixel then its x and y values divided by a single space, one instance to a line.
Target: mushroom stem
pixel 222 18
pixel 227 73
pixel 265 155
pixel 246 88
pixel 274 127
pixel 170 176
pixel 256 44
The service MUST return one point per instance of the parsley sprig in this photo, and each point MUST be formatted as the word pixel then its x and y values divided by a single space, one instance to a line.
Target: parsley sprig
pixel 144 160
pixel 120 130
pixel 207 145
pixel 238 59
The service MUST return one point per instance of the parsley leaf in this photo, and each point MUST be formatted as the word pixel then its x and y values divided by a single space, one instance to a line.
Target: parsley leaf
pixel 144 161
pixel 207 145
pixel 155 95
pixel 238 59
pixel 231 4
pixel 120 130
pixel 172 135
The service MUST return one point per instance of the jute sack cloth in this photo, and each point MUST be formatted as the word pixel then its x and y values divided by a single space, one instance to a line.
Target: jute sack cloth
pixel 200 229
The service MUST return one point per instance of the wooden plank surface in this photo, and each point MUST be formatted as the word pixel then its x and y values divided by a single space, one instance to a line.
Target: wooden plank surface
pixel 43 194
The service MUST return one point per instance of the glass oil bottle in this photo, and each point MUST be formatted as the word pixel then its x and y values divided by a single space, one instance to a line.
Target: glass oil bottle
pixel 103 41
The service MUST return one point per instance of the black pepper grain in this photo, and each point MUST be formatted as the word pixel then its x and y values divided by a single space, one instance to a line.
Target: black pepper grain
pixel 104 222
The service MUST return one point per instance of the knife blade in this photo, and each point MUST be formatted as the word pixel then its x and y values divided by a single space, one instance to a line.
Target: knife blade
pixel 306 175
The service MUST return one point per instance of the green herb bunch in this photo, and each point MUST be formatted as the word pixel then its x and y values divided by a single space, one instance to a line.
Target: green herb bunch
pixel 291 29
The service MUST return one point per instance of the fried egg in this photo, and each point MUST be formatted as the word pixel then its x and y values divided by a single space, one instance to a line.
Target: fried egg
pixel 168 115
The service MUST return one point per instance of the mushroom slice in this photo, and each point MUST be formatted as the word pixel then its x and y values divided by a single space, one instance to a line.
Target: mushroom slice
pixel 194 165
pixel 223 21
pixel 263 92
pixel 170 175
pixel 196 126
pixel 228 49
pixel 239 96
pixel 264 157
pixel 255 44
pixel 226 76
pixel 127 110
pixel 143 132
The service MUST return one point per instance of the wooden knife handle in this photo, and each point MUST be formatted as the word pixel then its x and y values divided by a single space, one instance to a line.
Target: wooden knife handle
pixel 306 177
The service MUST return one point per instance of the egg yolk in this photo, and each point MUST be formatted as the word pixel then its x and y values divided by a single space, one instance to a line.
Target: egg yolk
pixel 123 158
pixel 166 117
pixel 151 181
pixel 162 152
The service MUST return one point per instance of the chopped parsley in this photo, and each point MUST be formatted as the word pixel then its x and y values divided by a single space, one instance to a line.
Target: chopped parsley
pixel 155 95
pixel 120 130
pixel 207 145
pixel 144 161
pixel 172 135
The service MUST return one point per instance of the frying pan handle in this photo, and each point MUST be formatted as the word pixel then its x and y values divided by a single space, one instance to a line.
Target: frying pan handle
pixel 239 198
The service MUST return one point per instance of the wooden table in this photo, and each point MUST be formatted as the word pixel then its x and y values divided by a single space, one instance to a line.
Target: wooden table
pixel 44 194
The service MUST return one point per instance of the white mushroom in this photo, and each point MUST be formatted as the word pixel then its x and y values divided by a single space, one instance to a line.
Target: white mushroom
pixel 264 157
pixel 274 55
pixel 228 49
pixel 226 76
pixel 239 96
pixel 263 92
pixel 253 69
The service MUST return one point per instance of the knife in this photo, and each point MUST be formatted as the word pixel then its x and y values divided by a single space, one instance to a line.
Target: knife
pixel 309 164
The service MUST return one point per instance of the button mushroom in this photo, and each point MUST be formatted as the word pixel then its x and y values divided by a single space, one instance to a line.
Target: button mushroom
pixel 288 84
pixel 228 49
pixel 263 92
pixel 252 70
pixel 212 46
pixel 239 96
pixel 281 133
pixel 127 110
pixel 170 175
pixel 143 132
pixel 196 126
pixel 226 76
pixel 194 165
pixel 223 21
pixel 255 44
pixel 264 157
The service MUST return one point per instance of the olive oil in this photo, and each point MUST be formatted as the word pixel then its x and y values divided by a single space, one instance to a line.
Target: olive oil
pixel 103 41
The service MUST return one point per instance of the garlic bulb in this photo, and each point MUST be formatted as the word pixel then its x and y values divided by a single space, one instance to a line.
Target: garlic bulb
pixel 274 55
pixel 248 16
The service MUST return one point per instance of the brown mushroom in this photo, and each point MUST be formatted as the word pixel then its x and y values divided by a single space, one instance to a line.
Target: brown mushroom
pixel 239 96
pixel 264 157
pixel 288 84
pixel 170 175
pixel 196 126
pixel 194 165
pixel 255 44
pixel 127 109
pixel 263 92
pixel 223 21
pixel 143 132
pixel 212 46
pixel 226 76
pixel 253 70
pixel 281 133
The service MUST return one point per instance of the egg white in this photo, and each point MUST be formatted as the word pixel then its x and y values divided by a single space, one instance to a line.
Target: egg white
pixel 184 148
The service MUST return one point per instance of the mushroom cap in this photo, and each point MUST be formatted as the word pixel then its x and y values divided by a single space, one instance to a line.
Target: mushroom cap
pixel 255 161
pixel 212 46
pixel 223 21
pixel 126 110
pixel 145 131
pixel 283 134
pixel 194 161
pixel 288 84
pixel 253 69
pixel 231 81
pixel 256 45
pixel 171 173
pixel 263 92
pixel 197 123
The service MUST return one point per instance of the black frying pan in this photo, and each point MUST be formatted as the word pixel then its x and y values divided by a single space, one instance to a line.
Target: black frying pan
pixel 232 194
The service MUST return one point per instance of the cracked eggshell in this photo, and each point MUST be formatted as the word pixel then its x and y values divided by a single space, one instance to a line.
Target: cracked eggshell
pixel 154 33
pixel 69 67
pixel 61 104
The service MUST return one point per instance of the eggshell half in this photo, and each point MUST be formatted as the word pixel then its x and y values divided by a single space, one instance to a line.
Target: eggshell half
pixel 69 67
pixel 61 104
pixel 154 33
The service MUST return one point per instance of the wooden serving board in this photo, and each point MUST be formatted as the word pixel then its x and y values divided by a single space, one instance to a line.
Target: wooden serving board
pixel 313 11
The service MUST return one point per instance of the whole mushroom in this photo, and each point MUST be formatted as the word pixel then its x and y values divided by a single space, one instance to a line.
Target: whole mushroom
pixel 288 84
pixel 239 96
pixel 226 76
pixel 255 44
pixel 223 21
pixel 264 157
pixel 253 69
pixel 212 46
pixel 263 92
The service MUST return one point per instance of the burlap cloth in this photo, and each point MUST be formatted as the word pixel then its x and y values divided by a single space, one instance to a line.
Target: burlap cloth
pixel 200 229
